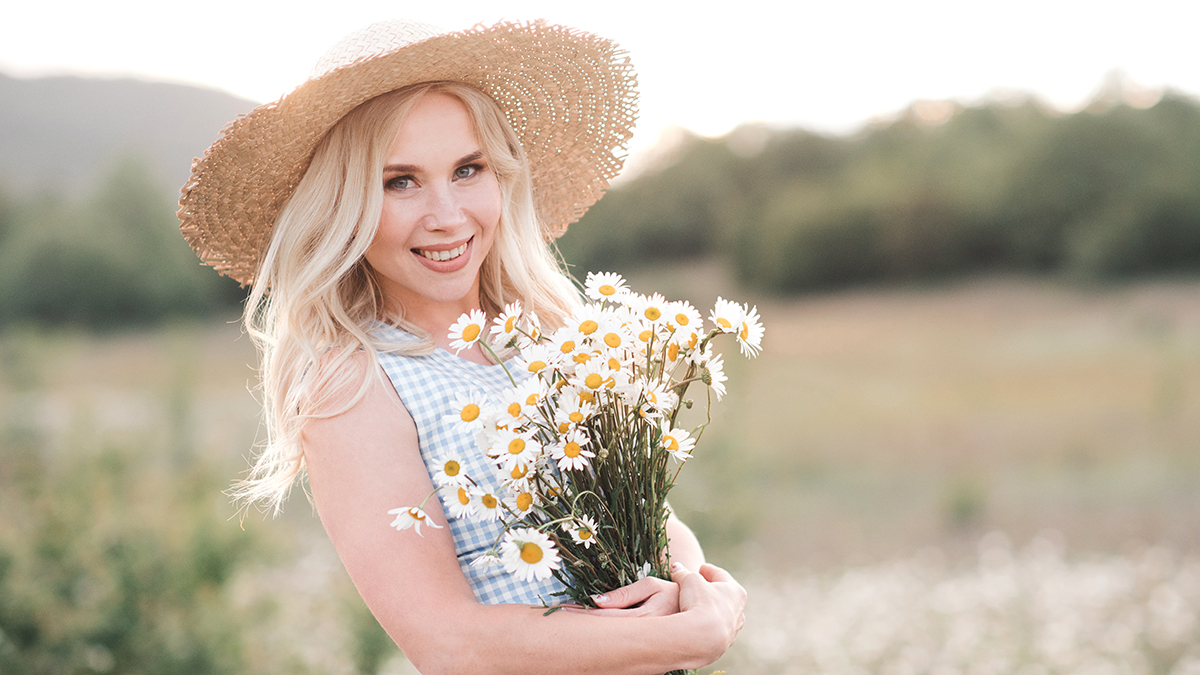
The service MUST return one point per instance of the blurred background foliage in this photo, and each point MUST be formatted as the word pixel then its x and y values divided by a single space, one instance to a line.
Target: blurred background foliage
pixel 976 378
pixel 1108 192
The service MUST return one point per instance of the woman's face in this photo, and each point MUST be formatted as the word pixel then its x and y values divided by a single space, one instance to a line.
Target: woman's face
pixel 441 208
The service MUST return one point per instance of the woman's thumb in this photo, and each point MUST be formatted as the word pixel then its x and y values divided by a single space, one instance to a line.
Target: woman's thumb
pixel 679 572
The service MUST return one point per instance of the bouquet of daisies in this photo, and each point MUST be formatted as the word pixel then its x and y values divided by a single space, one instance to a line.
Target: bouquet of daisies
pixel 588 445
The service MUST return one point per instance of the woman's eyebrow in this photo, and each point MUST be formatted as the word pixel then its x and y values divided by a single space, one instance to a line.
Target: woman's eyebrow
pixel 413 168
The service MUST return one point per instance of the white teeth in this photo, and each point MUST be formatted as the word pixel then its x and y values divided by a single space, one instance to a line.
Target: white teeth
pixel 444 255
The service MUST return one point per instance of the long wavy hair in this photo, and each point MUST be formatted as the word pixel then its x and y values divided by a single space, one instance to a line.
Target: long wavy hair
pixel 315 300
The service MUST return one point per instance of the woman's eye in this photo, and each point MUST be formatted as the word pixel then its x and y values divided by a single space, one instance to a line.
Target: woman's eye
pixel 400 183
pixel 466 171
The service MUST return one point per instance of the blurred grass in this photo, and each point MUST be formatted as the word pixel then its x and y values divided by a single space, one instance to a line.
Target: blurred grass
pixel 876 424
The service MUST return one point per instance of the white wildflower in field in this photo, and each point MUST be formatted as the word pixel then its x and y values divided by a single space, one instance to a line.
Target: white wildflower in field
pixel 1015 611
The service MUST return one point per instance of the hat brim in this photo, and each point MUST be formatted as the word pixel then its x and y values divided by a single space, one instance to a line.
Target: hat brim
pixel 569 95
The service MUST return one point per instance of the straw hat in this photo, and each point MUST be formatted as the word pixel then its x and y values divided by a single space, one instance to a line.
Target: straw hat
pixel 570 96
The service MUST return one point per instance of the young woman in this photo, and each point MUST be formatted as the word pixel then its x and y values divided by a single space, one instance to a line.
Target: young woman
pixel 417 178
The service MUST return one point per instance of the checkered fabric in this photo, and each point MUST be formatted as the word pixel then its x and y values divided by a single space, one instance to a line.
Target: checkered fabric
pixel 427 385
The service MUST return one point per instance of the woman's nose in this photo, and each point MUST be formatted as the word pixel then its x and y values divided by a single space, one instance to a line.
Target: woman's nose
pixel 445 209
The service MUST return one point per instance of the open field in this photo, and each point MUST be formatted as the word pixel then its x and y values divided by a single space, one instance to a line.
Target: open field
pixel 989 476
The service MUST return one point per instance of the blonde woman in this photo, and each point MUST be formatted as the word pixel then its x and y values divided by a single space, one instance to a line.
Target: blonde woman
pixel 416 177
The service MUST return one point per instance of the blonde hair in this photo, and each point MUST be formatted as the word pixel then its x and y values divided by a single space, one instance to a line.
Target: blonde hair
pixel 315 299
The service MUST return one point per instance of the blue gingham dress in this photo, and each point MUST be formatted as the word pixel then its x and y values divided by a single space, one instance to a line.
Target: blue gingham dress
pixel 427 385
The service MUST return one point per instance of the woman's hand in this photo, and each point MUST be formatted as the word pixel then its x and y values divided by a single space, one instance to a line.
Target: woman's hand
pixel 649 596
pixel 716 599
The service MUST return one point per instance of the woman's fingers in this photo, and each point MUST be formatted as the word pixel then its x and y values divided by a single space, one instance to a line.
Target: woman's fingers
pixel 650 596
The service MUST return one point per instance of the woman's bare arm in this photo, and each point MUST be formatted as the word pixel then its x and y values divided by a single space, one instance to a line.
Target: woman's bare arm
pixel 365 461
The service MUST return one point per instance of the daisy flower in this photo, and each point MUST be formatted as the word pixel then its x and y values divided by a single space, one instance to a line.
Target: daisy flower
pixel 467 330
pixel 505 327
pixel 451 471
pixel 522 503
pixel 463 504
pixel 466 411
pixel 570 454
pixel 566 341
pixel 583 531
pixel 652 308
pixel 411 516
pixel 515 449
pixel 714 375
pixel 750 332
pixel 536 358
pixel 678 442
pixel 485 561
pixel 593 376
pixel 683 316
pixel 588 320
pixel 604 286
pixel 659 396
pixel 528 554
pixel 489 508
pixel 533 331
pixel 571 413
pixel 726 315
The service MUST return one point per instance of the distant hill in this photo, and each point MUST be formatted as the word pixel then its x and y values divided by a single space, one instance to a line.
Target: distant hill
pixel 63 132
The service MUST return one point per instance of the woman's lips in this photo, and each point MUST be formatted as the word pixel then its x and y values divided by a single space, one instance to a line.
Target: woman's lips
pixel 457 256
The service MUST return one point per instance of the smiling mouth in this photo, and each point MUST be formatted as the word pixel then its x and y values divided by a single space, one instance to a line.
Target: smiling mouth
pixel 442 256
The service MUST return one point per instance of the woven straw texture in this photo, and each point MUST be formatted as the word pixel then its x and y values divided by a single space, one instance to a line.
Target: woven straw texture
pixel 570 96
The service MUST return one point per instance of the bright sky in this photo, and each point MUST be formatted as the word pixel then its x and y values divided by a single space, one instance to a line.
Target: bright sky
pixel 702 65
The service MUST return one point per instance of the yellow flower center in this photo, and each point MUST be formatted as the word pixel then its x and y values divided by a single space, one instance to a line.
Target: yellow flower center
pixel 607 289
pixel 572 450
pixel 612 340
pixel 694 341
pixel 524 501
pixel 745 331
pixel 644 336
pixel 724 323
pixel 531 552
pixel 470 332
pixel 588 327
pixel 593 381
pixel 587 396
pixel 451 468
pixel 489 501
pixel 532 399
pixel 575 416
pixel 463 497
pixel 585 533
pixel 564 428
pixel 614 364
pixel 510 324
pixel 652 313
pixel 514 409
pixel 516 446
pixel 583 357
pixel 681 319
pixel 670 443
pixel 519 472
pixel 568 346
pixel 673 351
pixel 470 412
pixel 536 366
pixel 416 513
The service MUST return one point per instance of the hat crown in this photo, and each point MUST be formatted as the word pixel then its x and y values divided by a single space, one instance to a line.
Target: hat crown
pixel 381 37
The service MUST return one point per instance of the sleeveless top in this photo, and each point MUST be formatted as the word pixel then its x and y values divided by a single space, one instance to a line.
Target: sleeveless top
pixel 427 385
